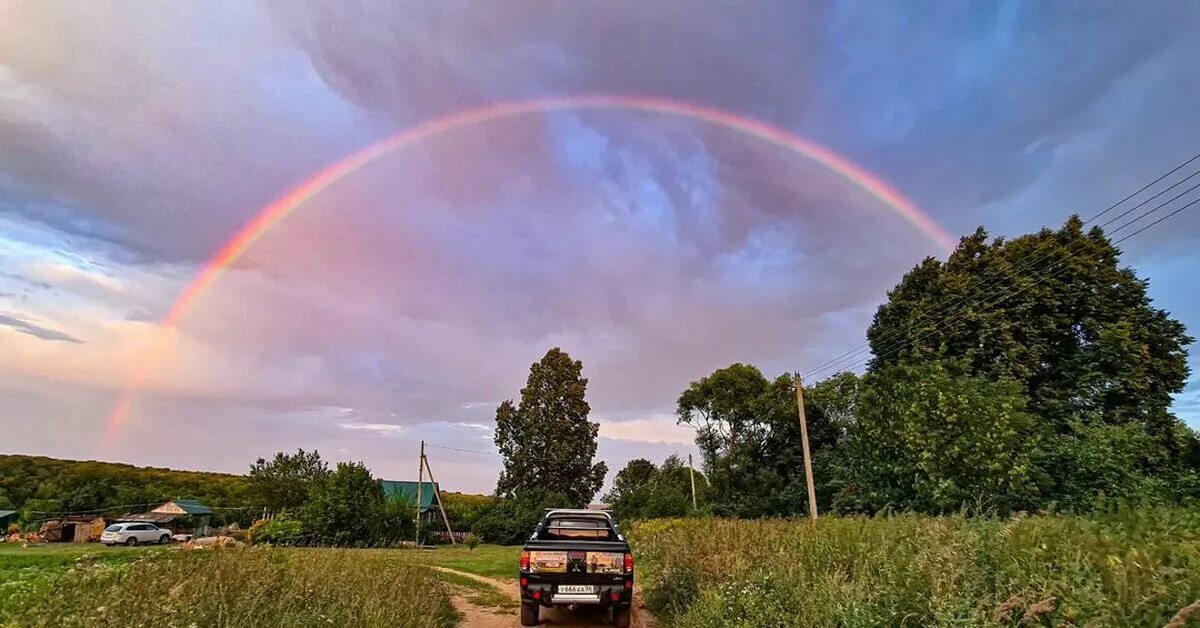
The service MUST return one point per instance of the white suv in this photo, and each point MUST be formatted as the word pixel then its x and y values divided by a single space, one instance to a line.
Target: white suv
pixel 132 534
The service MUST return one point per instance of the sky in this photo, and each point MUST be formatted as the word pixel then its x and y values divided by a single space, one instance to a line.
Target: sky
pixel 406 300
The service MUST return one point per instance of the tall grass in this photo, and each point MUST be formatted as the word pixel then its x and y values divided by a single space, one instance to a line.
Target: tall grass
pixel 251 587
pixel 1132 568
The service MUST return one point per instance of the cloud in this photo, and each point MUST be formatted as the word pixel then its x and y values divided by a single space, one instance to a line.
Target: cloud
pixel 655 430
pixel 387 429
pixel 37 331
pixel 134 142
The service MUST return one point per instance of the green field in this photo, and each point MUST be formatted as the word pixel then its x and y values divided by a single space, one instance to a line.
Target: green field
pixel 1137 568
pixel 493 561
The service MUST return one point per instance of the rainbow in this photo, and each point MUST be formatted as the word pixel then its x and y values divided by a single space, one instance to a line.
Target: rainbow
pixel 294 199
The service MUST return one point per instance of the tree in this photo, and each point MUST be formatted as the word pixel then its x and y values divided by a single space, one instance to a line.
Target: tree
pixel 285 481
pixel 644 491
pixel 931 440
pixel 636 474
pixel 1075 330
pixel 546 440
pixel 721 408
pixel 748 431
pixel 346 507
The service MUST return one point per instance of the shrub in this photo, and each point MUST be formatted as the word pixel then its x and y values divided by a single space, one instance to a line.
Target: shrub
pixel 471 541
pixel 282 530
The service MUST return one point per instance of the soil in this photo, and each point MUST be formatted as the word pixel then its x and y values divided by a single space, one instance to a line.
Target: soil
pixel 487 617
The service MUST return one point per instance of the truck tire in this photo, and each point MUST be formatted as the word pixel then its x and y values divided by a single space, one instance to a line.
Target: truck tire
pixel 529 614
pixel 621 616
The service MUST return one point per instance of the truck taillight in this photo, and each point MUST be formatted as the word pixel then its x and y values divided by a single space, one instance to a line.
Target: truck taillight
pixel 629 563
pixel 524 561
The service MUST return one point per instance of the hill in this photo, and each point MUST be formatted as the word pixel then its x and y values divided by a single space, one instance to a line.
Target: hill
pixel 42 487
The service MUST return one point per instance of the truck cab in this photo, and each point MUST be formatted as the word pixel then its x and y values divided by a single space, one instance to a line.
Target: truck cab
pixel 573 558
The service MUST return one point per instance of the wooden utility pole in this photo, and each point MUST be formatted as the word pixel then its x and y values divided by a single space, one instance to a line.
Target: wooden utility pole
pixel 438 494
pixel 808 475
pixel 692 473
pixel 420 484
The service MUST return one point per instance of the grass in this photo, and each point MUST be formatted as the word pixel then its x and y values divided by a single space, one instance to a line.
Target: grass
pixel 493 561
pixel 479 593
pixel 28 573
pixel 1134 568
pixel 259 587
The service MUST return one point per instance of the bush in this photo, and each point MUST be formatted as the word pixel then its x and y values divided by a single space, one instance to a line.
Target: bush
pixel 471 541
pixel 282 530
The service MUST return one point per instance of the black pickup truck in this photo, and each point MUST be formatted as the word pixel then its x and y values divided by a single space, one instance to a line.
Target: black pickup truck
pixel 576 557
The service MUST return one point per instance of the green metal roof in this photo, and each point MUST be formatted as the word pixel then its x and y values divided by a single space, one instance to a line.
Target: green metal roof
pixel 5 515
pixel 406 492
pixel 192 507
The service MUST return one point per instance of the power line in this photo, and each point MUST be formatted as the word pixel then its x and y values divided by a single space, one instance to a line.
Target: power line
pixel 847 358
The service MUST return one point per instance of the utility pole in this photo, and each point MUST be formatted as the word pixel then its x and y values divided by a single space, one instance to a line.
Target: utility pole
pixel 438 494
pixel 692 473
pixel 420 484
pixel 808 475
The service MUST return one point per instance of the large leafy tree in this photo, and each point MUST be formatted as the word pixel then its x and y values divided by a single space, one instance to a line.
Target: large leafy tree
pixel 284 482
pixel 1053 311
pixel 748 431
pixel 546 440
pixel 347 507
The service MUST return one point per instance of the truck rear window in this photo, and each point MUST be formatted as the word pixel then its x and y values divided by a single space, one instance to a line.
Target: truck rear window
pixel 585 528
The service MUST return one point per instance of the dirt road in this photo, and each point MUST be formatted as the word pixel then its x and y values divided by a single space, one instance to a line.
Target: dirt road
pixel 489 617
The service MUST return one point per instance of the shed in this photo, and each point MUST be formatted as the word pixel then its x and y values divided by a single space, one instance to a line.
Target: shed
pixel 178 515
pixel 405 492
pixel 7 517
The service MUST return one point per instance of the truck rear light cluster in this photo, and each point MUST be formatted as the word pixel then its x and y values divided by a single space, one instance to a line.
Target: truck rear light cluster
pixel 524 582
pixel 614 596
pixel 537 595
pixel 524 561
pixel 628 584
pixel 629 563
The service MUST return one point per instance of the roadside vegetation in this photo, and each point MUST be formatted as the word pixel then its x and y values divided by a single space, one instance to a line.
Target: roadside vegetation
pixel 248 587
pixel 1133 567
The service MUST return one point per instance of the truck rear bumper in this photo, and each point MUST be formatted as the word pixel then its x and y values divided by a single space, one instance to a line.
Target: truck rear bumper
pixel 606 595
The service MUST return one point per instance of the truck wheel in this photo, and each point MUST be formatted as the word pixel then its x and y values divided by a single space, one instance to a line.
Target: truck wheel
pixel 621 615
pixel 529 614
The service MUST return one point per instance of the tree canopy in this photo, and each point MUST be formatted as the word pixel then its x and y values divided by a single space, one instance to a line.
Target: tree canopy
pixel 1053 311
pixel 546 440
pixel 644 491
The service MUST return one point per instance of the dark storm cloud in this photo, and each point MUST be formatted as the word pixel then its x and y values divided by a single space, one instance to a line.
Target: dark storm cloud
pixel 37 331
pixel 986 96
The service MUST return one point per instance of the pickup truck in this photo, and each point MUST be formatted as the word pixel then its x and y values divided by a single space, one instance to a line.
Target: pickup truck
pixel 573 558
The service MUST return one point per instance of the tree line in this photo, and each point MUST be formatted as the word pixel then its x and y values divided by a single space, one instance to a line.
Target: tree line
pixel 991 389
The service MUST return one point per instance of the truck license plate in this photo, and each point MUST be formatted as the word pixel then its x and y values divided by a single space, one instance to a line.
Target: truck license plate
pixel 576 588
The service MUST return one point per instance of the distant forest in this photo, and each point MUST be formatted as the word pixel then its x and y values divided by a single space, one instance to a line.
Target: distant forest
pixel 42 488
